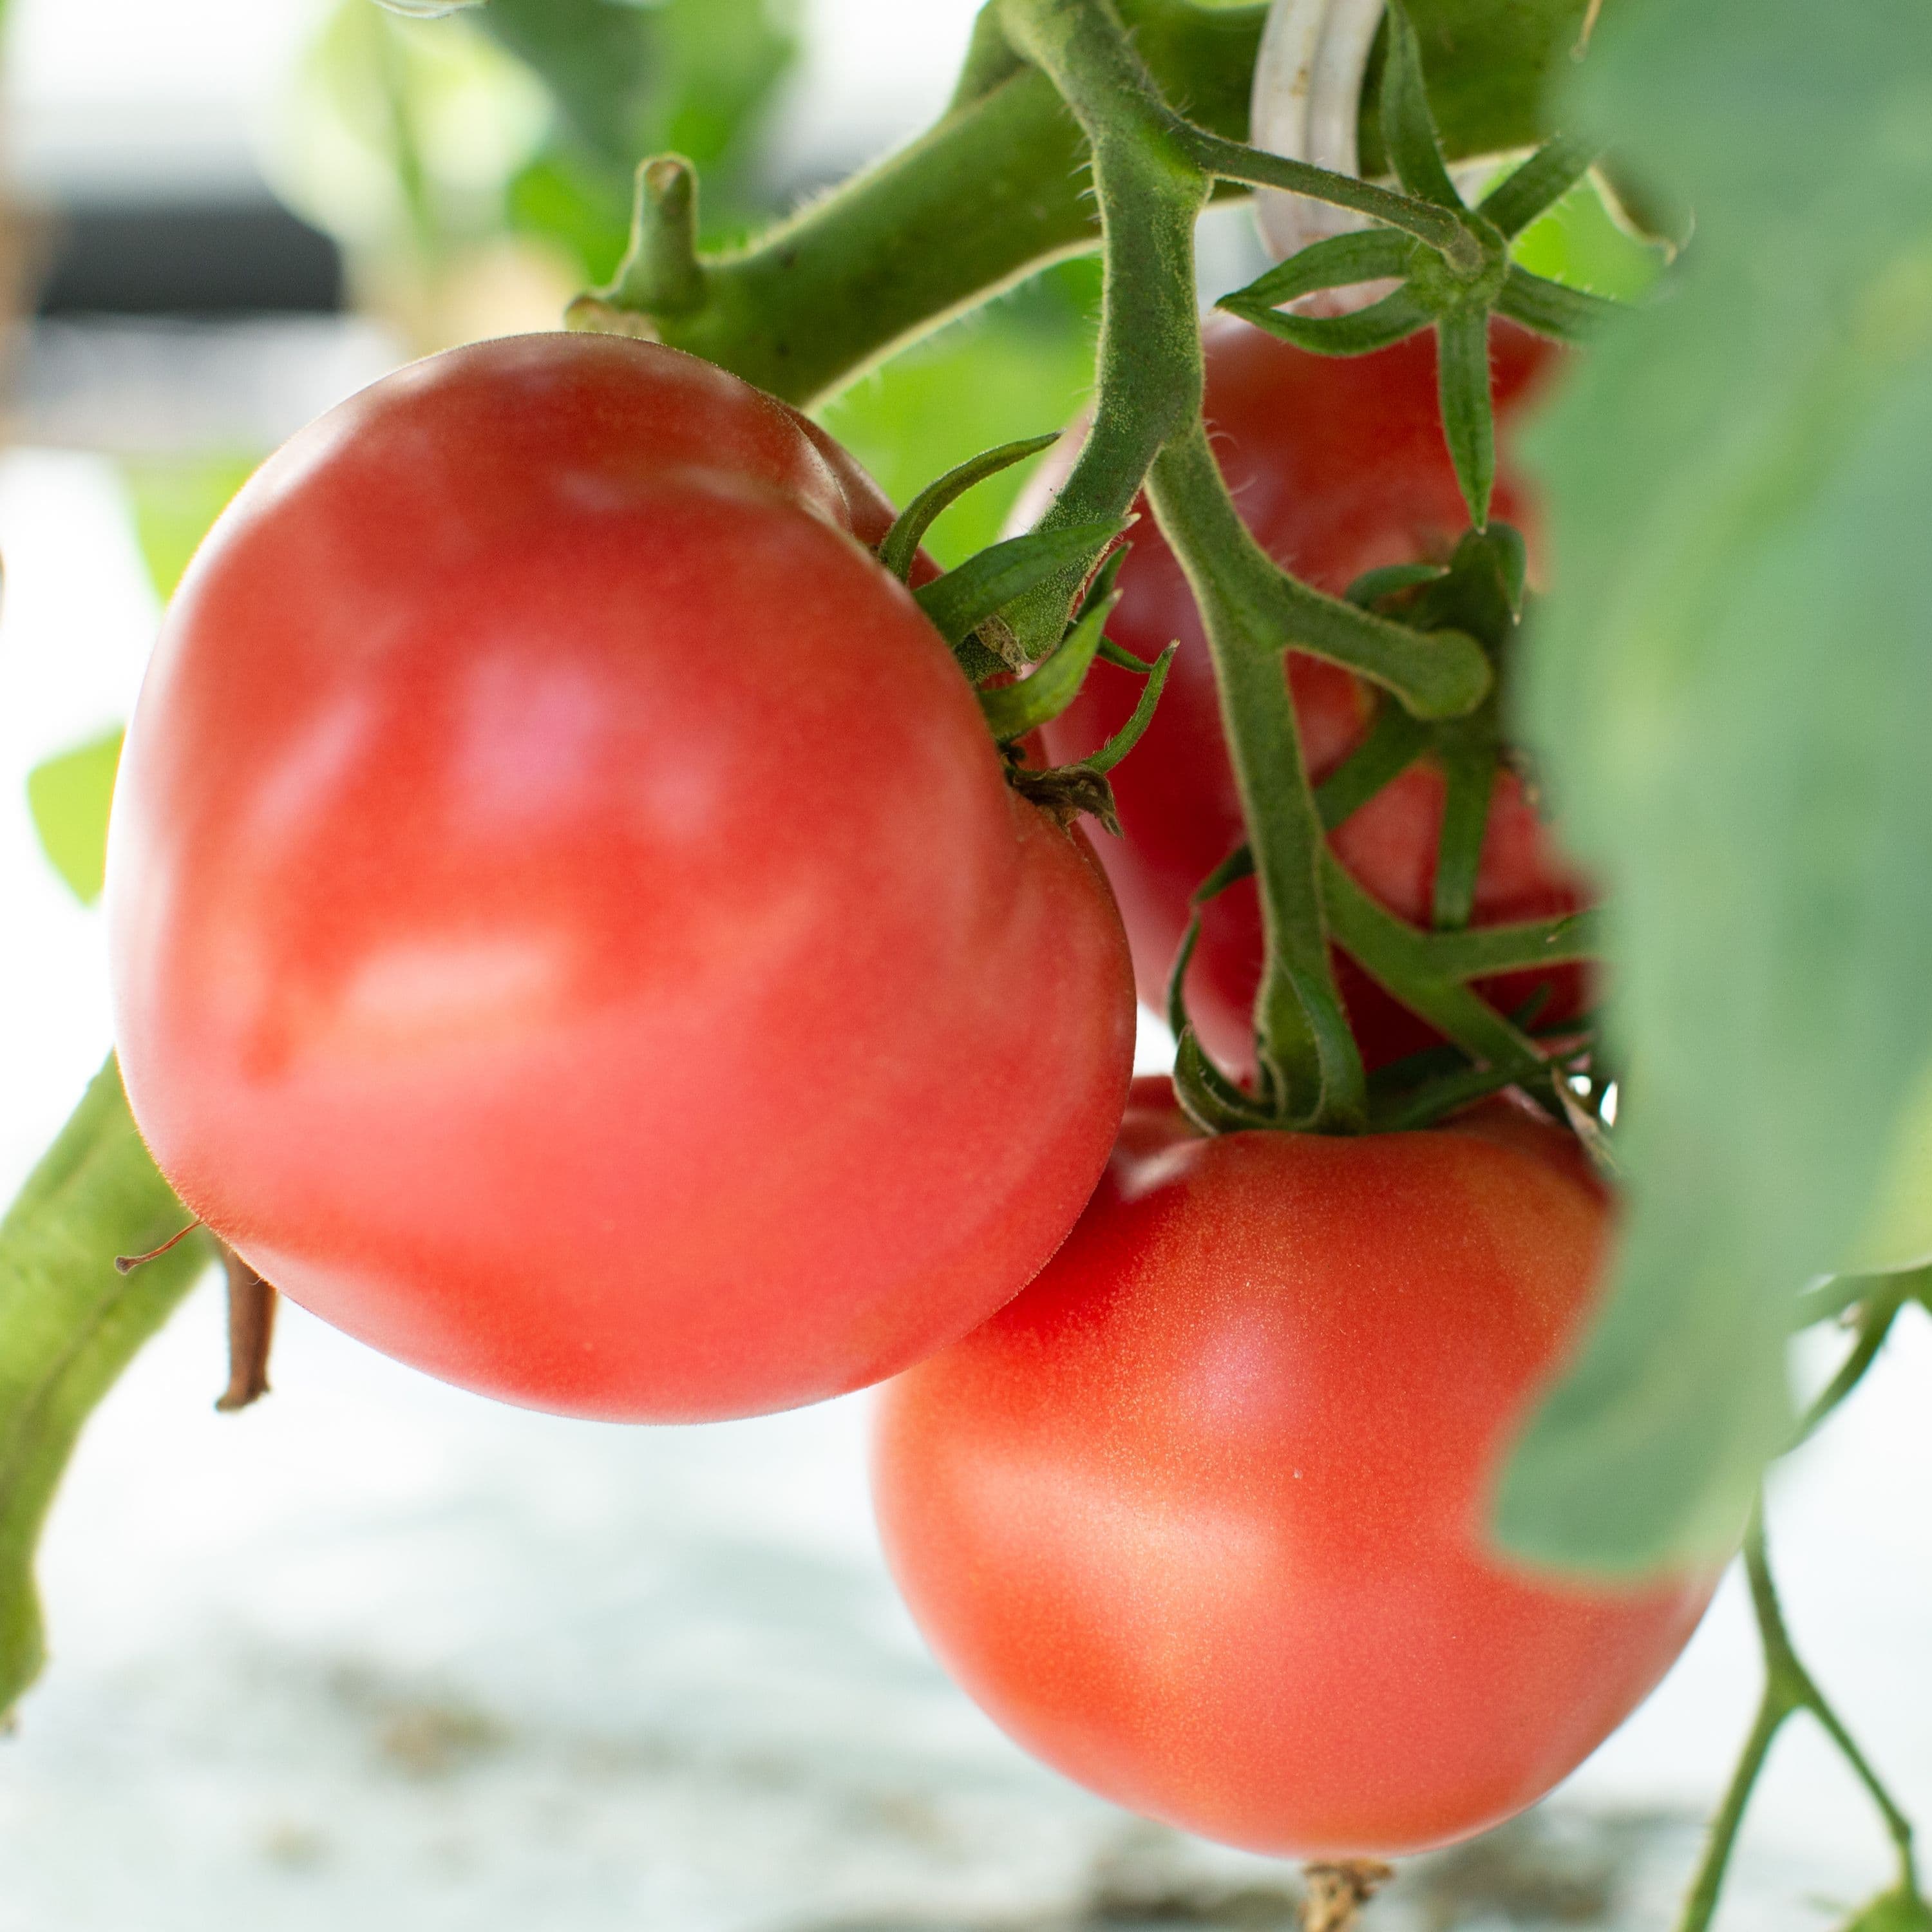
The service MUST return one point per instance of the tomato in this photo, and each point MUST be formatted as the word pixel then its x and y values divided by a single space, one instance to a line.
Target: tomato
pixel 1199 1518
pixel 1339 467
pixel 569 924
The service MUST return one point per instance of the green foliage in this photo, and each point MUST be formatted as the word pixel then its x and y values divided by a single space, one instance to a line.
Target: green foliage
pixel 69 1323
pixel 1580 244
pixel 692 77
pixel 69 797
pixel 1731 698
pixel 1898 1911
pixel 175 500
pixel 1022 366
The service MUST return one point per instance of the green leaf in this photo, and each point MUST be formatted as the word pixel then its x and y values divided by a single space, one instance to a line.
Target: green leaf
pixel 964 599
pixel 1207 1096
pixel 1542 181
pixel 69 1323
pixel 69 797
pixel 1583 243
pixel 1731 699
pixel 1395 317
pixel 1490 63
pixel 692 76
pixel 595 58
pixel 1469 424
pixel 175 500
pixel 1130 734
pixel 1407 125
pixel 901 542
pixel 1896 1911
pixel 1569 315
pixel 1469 757
pixel 1012 710
pixel 1367 255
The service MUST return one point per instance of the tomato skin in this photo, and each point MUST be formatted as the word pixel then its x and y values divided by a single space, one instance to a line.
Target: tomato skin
pixel 1198 1518
pixel 1338 466
pixel 569 926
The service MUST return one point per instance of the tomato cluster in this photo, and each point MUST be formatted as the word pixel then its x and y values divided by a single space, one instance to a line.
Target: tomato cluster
pixel 572 928
pixel 1339 468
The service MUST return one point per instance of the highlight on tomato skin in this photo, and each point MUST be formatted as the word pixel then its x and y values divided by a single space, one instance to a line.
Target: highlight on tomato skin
pixel 1338 466
pixel 1199 1517
pixel 569 926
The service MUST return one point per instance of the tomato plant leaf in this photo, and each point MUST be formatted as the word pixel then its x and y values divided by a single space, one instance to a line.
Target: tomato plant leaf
pixel 1895 1911
pixel 901 543
pixel 175 500
pixel 69 1323
pixel 1407 125
pixel 1124 740
pixel 1542 181
pixel 1731 697
pixel 1569 315
pixel 1012 710
pixel 1468 424
pixel 69 797
pixel 1339 261
pixel 965 598
pixel 1397 316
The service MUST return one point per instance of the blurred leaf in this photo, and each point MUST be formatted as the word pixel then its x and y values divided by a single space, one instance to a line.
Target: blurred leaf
pixel 399 135
pixel 595 58
pixel 692 77
pixel 175 502
pixel 70 1323
pixel 1731 697
pixel 1579 243
pixel 69 797
pixel 1892 1911
pixel 720 60
pixel 560 198
pixel 1014 367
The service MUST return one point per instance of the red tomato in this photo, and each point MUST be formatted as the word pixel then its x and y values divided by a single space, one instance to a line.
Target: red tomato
pixel 1199 1518
pixel 1338 466
pixel 569 924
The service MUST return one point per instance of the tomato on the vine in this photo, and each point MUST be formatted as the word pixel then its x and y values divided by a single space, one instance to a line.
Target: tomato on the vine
pixel 1199 1517
pixel 570 926
pixel 1338 466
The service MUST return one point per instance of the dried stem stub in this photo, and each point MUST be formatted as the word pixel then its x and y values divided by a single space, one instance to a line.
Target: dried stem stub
pixel 1337 1893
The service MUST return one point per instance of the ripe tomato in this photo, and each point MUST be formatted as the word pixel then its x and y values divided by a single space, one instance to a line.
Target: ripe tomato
pixel 569 924
pixel 1339 467
pixel 1199 1518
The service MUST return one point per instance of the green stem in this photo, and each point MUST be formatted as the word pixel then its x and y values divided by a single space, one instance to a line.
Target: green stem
pixel 997 189
pixel 1300 1029
pixel 1230 160
pixel 1402 961
pixel 1876 1313
pixel 1788 1687
pixel 1701 1903
pixel 1148 376
pixel 69 1323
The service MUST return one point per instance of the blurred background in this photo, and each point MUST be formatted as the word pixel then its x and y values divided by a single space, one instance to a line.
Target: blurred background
pixel 380 1649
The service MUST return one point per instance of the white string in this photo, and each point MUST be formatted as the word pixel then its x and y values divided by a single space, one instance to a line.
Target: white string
pixel 426 10
pixel 1306 101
